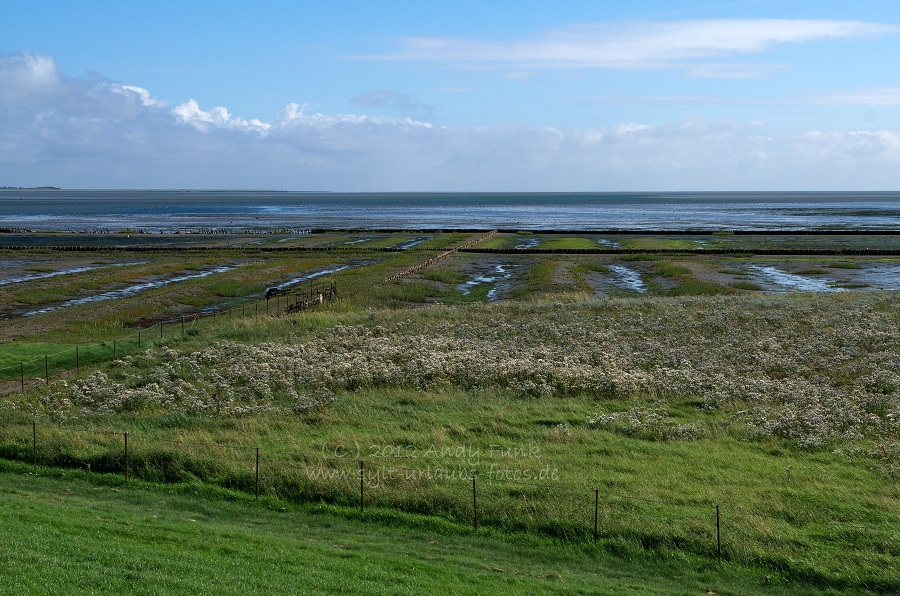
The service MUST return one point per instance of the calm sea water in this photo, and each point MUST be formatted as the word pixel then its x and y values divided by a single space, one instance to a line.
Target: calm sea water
pixel 84 210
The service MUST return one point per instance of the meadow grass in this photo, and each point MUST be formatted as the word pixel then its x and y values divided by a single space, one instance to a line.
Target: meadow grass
pixel 79 533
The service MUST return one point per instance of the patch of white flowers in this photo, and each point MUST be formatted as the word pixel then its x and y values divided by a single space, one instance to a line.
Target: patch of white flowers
pixel 820 371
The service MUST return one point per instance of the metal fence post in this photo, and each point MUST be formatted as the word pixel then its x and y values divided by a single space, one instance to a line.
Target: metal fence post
pixel 718 535
pixel 474 503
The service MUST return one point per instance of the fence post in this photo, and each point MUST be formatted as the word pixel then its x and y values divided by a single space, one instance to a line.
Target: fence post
pixel 718 535
pixel 257 472
pixel 126 457
pixel 139 338
pixel 160 330
pixel 474 503
pixel 34 442
pixel 596 511
pixel 256 305
pixel 361 477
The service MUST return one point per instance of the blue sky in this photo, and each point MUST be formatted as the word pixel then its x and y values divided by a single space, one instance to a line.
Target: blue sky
pixel 493 96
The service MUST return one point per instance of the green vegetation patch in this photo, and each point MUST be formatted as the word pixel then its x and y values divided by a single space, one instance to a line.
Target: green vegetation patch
pixel 656 243
pixel 671 270
pixel 843 265
pixel 446 276
pixel 559 243
pixel 746 285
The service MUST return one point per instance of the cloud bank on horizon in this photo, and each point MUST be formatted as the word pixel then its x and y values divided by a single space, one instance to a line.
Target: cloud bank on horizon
pixel 93 132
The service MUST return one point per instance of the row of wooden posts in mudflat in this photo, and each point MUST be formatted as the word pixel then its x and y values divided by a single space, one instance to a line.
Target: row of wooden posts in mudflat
pixel 437 258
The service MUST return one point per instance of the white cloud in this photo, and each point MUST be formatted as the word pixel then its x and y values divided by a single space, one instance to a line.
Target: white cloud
pixel 27 74
pixel 89 134
pixel 882 96
pixel 636 45
pixel 138 93
pixel 218 117
pixel 294 115
pixel 885 96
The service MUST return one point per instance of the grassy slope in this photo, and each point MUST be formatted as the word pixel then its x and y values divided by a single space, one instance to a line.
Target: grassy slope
pixel 65 534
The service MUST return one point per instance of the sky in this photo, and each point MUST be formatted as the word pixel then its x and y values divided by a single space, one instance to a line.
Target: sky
pixel 506 96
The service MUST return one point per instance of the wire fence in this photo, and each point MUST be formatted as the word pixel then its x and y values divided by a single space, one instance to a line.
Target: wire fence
pixel 41 370
pixel 576 511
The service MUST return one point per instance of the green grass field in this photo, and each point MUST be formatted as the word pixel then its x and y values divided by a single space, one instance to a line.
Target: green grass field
pixel 781 410
pixel 75 534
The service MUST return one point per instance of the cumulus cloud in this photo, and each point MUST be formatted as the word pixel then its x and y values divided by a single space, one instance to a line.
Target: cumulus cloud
pixel 636 45
pixel 218 117
pixel 27 74
pixel 136 93
pixel 93 133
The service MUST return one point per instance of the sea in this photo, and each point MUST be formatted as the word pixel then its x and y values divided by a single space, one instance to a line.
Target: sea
pixel 185 211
